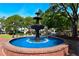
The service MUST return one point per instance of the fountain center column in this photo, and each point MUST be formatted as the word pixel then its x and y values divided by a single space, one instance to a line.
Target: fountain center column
pixel 37 36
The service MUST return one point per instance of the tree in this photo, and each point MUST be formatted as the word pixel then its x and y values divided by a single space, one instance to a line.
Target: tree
pixel 72 15
pixel 55 19
pixel 13 22
pixel 47 19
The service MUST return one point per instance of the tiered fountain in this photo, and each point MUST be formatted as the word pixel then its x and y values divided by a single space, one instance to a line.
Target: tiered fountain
pixel 36 45
pixel 37 26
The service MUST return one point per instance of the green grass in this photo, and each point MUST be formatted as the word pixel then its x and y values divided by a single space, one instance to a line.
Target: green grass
pixel 6 36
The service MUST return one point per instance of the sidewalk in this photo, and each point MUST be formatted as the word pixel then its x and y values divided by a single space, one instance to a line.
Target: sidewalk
pixel 1 51
pixel 1 48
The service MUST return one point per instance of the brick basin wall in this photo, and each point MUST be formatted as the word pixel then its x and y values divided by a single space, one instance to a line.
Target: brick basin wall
pixel 10 53
pixel 59 50
pixel 58 53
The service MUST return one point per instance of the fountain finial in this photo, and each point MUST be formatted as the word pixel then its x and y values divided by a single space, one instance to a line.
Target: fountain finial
pixel 38 12
pixel 37 17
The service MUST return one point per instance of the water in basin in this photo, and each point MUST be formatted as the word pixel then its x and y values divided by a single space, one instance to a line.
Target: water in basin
pixel 29 42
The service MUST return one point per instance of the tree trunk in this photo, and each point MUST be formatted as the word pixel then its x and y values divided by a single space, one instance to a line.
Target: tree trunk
pixel 74 28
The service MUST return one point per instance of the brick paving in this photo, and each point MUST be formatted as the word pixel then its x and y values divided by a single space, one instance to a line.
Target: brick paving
pixel 1 48
pixel 1 54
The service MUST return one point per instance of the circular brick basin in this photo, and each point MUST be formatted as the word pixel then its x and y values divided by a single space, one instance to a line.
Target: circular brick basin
pixel 59 50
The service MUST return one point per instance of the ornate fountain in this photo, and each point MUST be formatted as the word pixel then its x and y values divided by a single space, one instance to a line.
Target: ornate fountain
pixel 37 26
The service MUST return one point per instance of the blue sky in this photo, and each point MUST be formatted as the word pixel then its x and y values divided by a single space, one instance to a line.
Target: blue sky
pixel 23 9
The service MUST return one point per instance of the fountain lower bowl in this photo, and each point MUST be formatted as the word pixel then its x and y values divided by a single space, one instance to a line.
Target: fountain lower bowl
pixel 57 49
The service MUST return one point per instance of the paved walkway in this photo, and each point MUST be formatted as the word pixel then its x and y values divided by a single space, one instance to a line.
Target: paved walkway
pixel 1 48
pixel 2 53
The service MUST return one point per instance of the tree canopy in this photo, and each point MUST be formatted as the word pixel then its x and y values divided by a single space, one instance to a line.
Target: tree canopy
pixel 69 15
pixel 56 18
pixel 15 22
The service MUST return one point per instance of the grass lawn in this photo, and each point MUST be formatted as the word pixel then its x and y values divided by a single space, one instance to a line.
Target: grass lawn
pixel 5 36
